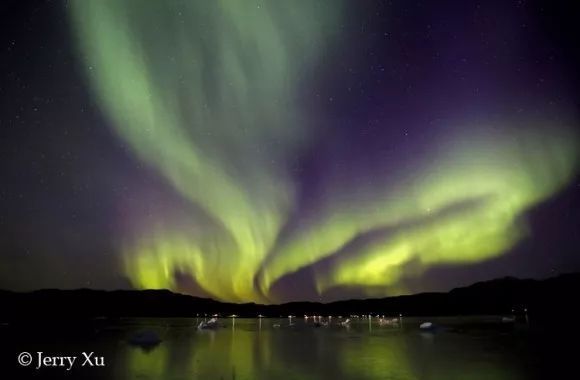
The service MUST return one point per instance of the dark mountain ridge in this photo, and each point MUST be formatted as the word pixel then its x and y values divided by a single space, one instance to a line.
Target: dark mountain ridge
pixel 540 298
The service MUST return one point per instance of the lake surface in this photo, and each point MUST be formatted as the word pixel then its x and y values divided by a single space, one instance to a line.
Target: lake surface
pixel 461 348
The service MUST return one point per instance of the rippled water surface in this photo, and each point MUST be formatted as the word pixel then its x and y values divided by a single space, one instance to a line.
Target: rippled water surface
pixel 474 348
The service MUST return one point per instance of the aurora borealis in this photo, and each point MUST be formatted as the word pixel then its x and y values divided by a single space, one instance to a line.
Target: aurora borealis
pixel 287 150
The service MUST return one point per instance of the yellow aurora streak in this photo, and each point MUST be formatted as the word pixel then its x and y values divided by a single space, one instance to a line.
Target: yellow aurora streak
pixel 463 207
pixel 206 93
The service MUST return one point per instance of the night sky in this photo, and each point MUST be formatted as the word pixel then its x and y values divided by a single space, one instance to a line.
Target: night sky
pixel 303 150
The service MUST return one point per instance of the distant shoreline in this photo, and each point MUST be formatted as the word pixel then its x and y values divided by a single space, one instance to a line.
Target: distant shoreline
pixel 496 297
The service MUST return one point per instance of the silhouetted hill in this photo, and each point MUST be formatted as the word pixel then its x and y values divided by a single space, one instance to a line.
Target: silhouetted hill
pixel 540 297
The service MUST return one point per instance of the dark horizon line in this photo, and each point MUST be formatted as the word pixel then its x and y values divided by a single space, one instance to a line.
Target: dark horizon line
pixel 162 290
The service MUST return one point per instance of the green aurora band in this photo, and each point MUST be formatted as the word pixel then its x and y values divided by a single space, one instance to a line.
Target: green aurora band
pixel 206 92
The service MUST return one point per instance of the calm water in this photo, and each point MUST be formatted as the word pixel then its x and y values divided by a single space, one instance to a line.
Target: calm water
pixel 256 349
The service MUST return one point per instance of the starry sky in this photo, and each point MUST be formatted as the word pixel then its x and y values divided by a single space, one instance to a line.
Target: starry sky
pixel 275 151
